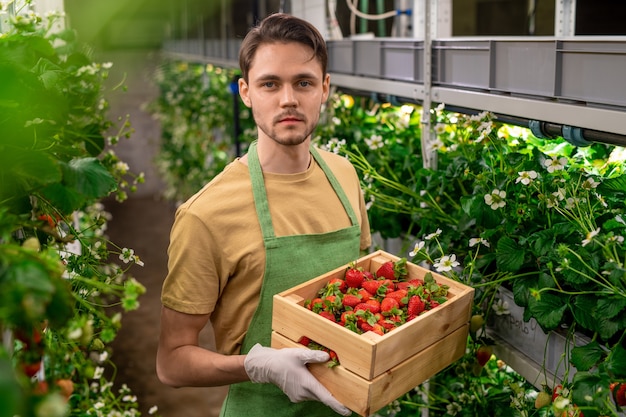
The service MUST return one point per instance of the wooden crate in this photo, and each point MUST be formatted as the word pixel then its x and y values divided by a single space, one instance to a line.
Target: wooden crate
pixel 369 355
pixel 365 397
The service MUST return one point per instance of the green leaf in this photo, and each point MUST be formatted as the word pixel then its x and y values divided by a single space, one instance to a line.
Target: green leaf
pixel 611 306
pixel 589 389
pixel 65 199
pixel 616 362
pixel 585 357
pixel 613 184
pixel 89 178
pixel 510 255
pixel 584 311
pixel 23 171
pixel 547 310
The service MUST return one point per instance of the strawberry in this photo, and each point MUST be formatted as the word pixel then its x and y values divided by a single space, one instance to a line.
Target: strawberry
pixel 315 304
pixel 543 399
pixel 374 305
pixel 31 369
pixel 389 306
pixel 364 294
pixel 415 306
pixel 66 386
pixel 354 277
pixel 556 391
pixel 368 275
pixel 371 286
pixel 339 284
pixel 386 286
pixel 328 315
pixel 392 270
pixel 376 328
pixel 620 395
pixel 399 295
pixel 351 300
pixel 304 341
pixel 476 322
pixel 483 354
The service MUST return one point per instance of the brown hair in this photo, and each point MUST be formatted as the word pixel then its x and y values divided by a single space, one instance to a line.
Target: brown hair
pixel 283 28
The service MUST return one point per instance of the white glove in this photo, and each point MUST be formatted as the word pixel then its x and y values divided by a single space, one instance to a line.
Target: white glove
pixel 286 368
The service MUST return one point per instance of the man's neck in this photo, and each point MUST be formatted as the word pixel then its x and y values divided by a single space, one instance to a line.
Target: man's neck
pixel 279 159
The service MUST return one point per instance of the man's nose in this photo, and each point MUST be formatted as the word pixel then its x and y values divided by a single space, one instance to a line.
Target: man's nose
pixel 288 96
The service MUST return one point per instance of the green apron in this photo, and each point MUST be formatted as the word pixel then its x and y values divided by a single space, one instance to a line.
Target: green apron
pixel 310 256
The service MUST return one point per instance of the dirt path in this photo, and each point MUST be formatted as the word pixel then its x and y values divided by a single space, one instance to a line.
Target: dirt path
pixel 143 224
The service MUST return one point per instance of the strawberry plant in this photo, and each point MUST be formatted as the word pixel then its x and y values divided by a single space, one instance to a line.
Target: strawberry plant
pixel 57 285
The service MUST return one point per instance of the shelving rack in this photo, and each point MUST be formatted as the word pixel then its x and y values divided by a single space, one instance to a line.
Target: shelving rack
pixel 564 85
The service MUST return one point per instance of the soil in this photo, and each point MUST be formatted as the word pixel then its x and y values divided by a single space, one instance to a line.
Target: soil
pixel 143 224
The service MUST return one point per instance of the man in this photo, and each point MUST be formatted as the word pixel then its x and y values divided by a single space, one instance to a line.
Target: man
pixel 280 215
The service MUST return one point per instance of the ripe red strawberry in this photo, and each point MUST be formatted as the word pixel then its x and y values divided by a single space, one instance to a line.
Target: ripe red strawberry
pixel 389 306
pixel 556 391
pixel 354 277
pixel 374 305
pixel 315 304
pixel 339 284
pixel 392 270
pixel 304 341
pixel 376 328
pixel 364 294
pixel 371 286
pixel 368 275
pixel 351 300
pixel 387 285
pixel 415 306
pixel 620 395
pixel 370 305
pixel 401 296
pixel 327 315
pixel 483 354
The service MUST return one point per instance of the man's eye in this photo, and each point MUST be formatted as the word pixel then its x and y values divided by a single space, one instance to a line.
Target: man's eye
pixel 305 83
pixel 269 84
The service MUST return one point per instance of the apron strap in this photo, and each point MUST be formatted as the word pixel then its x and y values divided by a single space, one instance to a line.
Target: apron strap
pixel 260 195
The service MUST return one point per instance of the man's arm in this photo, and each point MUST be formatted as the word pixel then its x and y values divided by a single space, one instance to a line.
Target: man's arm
pixel 181 362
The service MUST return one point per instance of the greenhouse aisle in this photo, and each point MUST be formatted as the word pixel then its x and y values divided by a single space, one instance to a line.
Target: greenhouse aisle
pixel 143 224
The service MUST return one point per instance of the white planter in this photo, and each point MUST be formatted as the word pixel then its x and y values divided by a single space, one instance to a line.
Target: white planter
pixel 539 357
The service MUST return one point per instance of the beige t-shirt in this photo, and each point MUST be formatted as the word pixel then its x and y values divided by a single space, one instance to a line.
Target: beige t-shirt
pixel 216 253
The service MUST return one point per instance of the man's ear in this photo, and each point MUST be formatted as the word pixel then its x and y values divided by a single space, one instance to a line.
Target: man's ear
pixel 326 88
pixel 243 92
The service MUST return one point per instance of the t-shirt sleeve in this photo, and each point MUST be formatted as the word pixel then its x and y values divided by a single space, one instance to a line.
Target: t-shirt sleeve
pixel 192 284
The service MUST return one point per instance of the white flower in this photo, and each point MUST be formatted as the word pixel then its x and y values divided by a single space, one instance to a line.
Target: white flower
pixel 127 255
pixel 590 184
pixel 97 374
pixel 590 236
pixel 446 263
pixel 555 164
pixel 496 199
pixel 98 405
pixel 419 245
pixel 501 307
pixel 440 128
pixel 453 408
pixel 153 410
pixel 526 177
pixel 619 239
pixel 375 142
pixel 129 398
pixel 478 240
pixel 433 235
pixel 137 261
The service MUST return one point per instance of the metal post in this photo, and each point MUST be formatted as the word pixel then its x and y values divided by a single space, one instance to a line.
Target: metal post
pixel 565 18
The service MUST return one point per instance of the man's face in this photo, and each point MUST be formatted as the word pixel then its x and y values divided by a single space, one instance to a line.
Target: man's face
pixel 285 91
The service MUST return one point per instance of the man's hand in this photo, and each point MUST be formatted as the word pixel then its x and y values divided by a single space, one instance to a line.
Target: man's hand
pixel 286 368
